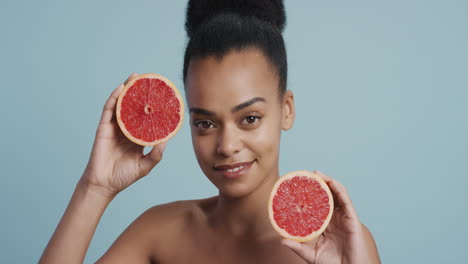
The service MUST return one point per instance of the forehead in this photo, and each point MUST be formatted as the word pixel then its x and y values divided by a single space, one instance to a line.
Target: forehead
pixel 217 83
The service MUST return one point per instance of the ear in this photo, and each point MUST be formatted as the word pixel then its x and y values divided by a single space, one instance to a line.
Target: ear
pixel 288 111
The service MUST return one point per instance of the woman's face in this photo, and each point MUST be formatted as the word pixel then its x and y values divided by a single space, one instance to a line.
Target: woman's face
pixel 236 118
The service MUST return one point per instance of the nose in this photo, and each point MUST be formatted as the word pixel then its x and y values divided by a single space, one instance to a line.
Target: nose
pixel 229 141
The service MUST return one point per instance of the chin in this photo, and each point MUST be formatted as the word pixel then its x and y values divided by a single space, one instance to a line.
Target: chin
pixel 234 190
pixel 238 189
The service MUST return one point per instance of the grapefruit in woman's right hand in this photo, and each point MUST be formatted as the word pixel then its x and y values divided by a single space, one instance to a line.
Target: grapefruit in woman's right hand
pixel 115 161
pixel 150 109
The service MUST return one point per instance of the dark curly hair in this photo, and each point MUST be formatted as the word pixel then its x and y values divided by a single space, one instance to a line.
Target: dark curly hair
pixel 216 27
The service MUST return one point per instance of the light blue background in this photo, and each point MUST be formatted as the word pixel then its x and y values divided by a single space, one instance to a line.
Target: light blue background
pixel 381 97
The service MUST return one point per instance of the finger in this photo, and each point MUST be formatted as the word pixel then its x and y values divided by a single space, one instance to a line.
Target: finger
pixel 109 107
pixel 148 161
pixel 108 113
pixel 340 194
pixel 133 75
pixel 303 250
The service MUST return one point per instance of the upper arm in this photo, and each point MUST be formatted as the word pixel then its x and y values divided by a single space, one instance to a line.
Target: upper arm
pixel 371 245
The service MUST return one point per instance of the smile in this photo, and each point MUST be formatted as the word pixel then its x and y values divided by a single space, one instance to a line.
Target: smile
pixel 236 169
pixel 233 170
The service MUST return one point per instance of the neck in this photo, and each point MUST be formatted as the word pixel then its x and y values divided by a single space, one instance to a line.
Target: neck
pixel 246 215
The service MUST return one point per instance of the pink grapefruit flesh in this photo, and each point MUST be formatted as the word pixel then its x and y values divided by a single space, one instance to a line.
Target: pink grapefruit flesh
pixel 300 206
pixel 149 109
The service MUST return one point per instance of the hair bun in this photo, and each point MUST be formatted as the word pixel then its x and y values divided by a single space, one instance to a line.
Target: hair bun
pixel 198 11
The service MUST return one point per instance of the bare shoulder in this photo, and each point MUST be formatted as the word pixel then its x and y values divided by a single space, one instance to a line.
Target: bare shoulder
pixel 150 233
pixel 367 234
pixel 371 245
pixel 175 214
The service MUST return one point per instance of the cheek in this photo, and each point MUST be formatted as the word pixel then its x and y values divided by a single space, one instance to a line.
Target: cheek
pixel 266 139
pixel 202 146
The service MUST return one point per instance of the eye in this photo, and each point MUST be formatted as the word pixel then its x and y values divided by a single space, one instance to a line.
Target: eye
pixel 203 124
pixel 251 119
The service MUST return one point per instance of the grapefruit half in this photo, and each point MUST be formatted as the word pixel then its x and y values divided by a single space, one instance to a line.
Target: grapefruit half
pixel 300 206
pixel 149 109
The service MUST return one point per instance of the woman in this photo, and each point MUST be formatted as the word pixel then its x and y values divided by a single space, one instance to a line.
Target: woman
pixel 235 80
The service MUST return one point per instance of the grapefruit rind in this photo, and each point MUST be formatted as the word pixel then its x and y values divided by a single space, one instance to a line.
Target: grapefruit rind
pixel 119 108
pixel 323 184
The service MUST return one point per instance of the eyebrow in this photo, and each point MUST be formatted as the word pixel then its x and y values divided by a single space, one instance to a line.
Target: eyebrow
pixel 247 104
pixel 237 108
pixel 201 111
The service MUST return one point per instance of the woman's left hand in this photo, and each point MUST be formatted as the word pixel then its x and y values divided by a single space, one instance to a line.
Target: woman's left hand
pixel 345 240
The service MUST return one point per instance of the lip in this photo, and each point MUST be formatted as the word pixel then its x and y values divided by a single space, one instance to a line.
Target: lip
pixel 224 169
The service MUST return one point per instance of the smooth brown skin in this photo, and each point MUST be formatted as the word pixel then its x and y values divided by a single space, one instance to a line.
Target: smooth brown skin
pixel 230 228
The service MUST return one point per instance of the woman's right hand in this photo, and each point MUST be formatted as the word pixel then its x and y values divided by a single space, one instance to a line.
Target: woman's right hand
pixel 115 161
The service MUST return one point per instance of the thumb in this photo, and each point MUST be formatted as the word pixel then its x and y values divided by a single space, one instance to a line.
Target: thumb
pixel 148 161
pixel 304 250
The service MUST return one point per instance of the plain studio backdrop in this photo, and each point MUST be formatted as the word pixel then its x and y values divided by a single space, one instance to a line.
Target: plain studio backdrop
pixel 381 98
